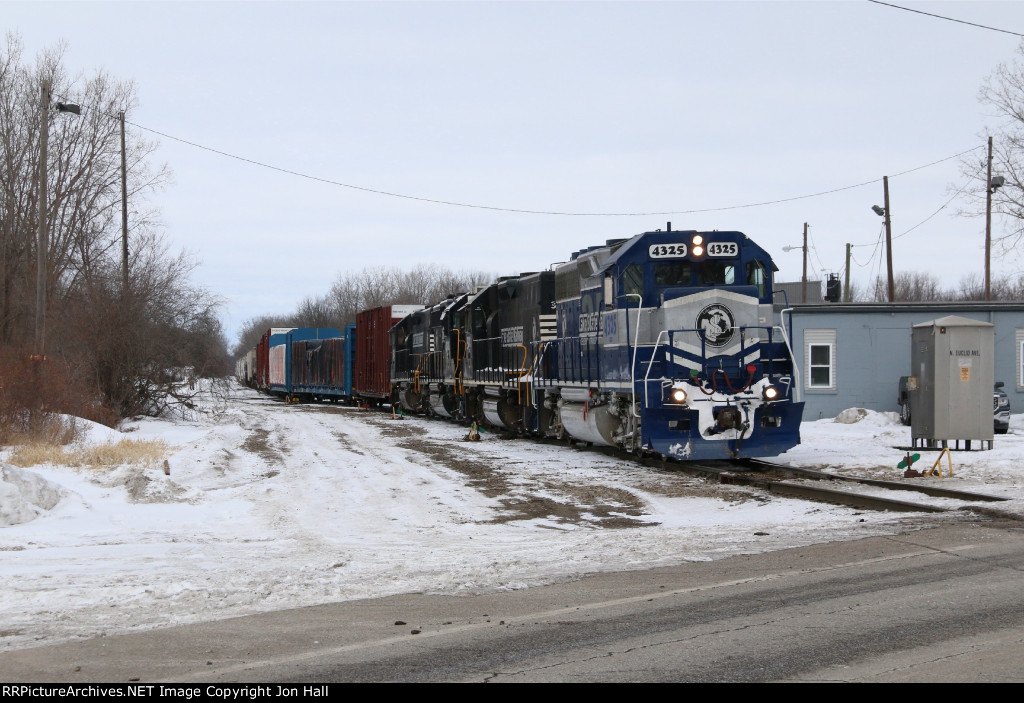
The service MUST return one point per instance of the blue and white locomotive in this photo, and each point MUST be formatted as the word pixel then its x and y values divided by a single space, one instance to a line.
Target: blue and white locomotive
pixel 664 343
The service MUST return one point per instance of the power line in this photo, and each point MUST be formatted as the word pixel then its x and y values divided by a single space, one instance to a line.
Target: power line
pixel 451 203
pixel 876 245
pixel 941 208
pixel 949 19
pixel 365 189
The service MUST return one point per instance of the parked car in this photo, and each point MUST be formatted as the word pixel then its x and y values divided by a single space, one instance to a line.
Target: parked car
pixel 1001 409
pixel 1000 406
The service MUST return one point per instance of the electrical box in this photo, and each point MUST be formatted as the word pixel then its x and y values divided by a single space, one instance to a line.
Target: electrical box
pixel 952 372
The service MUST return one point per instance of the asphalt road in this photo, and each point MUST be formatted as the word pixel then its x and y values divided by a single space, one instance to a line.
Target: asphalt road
pixel 944 604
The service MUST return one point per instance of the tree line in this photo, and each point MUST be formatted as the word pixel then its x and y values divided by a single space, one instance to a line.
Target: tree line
pixel 369 288
pixel 918 287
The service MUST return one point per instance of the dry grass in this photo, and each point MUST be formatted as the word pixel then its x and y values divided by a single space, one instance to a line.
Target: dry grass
pixel 38 428
pixel 140 452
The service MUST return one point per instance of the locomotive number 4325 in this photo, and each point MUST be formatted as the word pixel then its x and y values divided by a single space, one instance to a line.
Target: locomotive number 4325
pixel 667 251
pixel 723 249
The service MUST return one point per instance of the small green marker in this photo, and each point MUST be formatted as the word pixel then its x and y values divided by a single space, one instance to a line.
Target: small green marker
pixel 908 460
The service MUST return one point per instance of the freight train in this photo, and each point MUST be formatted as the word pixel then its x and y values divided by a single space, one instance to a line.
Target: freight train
pixel 662 343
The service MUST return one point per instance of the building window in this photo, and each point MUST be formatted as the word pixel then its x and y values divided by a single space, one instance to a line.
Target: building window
pixel 1019 333
pixel 821 366
pixel 820 359
pixel 1020 366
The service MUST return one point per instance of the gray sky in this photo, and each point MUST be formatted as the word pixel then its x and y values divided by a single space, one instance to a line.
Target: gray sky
pixel 618 107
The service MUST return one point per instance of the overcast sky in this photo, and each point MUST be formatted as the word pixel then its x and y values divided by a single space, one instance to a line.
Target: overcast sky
pixel 689 108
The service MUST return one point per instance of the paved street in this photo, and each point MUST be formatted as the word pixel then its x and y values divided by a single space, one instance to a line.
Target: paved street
pixel 934 605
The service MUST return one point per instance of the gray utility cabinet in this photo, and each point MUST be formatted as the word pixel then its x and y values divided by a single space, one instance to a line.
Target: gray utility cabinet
pixel 952 361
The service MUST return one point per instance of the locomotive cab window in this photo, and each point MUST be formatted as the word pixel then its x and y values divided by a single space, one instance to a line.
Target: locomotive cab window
pixel 717 273
pixel 633 280
pixel 673 274
pixel 757 276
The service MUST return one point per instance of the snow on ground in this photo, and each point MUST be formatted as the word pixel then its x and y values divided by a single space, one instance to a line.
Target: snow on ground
pixel 270 506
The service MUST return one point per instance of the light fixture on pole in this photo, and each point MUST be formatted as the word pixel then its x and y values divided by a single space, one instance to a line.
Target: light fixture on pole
pixel 43 244
pixel 803 279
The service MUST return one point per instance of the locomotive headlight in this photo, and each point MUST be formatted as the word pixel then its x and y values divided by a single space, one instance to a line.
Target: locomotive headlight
pixel 697 240
pixel 698 250
pixel 770 393
pixel 678 395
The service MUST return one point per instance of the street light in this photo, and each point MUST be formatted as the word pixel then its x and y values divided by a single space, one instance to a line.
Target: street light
pixel 43 245
pixel 803 279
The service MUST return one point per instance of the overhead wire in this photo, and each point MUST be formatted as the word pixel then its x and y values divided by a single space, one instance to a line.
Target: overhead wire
pixel 876 245
pixel 328 181
pixel 537 212
pixel 906 232
pixel 941 208
pixel 948 19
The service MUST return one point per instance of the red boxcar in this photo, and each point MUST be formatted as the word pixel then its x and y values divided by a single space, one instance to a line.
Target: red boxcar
pixel 373 349
pixel 261 377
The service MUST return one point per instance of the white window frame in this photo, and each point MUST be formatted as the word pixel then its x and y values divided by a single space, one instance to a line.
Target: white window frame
pixel 816 339
pixel 1019 334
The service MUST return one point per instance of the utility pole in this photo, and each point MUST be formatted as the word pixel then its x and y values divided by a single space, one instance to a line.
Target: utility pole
pixel 42 238
pixel 846 286
pixel 988 224
pixel 803 279
pixel 124 212
pixel 888 239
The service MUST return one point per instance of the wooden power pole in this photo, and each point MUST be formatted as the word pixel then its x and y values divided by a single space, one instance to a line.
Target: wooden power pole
pixel 888 239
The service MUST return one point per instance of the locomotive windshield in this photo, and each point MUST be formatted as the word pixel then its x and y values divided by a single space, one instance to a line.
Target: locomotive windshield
pixel 717 273
pixel 674 274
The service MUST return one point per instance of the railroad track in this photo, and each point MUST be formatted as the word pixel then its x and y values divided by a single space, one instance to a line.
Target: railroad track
pixel 772 477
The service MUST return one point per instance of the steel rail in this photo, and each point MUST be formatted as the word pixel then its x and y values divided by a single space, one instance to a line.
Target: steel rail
pixel 934 491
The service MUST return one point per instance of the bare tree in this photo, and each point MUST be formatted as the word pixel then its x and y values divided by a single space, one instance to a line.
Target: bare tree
pixel 254 328
pixel 1006 288
pixel 135 345
pixel 125 339
pixel 373 287
pixel 857 293
pixel 315 312
pixel 1003 93
pixel 911 286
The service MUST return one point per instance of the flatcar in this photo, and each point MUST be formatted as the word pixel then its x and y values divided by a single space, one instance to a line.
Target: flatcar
pixel 663 343
pixel 309 363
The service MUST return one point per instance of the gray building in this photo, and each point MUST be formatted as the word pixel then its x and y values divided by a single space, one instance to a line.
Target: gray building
pixel 792 293
pixel 851 355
